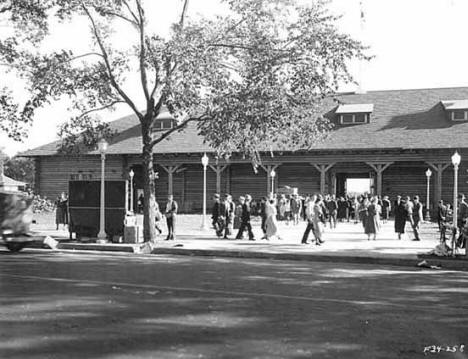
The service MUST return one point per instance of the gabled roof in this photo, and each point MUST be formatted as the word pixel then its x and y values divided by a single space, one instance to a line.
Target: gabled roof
pixel 401 119
pixel 355 108
pixel 455 104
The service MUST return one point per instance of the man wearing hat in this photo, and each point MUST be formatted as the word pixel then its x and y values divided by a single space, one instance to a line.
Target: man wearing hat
pixel 215 212
pixel 245 219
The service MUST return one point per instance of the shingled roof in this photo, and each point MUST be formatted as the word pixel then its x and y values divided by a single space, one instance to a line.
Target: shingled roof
pixel 401 119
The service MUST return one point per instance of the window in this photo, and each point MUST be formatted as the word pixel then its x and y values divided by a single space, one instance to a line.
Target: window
pixel 353 118
pixel 360 118
pixel 163 124
pixel 347 118
pixel 459 115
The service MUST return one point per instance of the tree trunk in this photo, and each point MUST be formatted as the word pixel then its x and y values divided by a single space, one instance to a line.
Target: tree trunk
pixel 149 192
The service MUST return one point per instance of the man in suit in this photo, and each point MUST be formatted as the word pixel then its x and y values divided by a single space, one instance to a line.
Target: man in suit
pixel 245 219
pixel 332 210
pixel 441 214
pixel 171 213
pixel 215 212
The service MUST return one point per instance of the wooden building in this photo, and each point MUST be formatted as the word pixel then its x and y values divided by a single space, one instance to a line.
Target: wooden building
pixel 391 137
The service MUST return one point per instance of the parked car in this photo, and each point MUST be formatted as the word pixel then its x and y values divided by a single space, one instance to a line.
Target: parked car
pixel 15 219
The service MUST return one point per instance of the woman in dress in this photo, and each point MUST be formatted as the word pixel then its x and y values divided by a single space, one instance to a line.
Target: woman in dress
pixel 372 220
pixel 318 220
pixel 401 215
pixel 61 212
pixel 362 210
pixel 271 224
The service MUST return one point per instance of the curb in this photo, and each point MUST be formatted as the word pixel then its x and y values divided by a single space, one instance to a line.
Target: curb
pixel 403 262
pixel 460 264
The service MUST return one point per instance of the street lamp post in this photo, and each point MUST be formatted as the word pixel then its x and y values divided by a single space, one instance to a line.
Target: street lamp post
pixel 456 158
pixel 204 161
pixel 102 145
pixel 131 174
pixel 272 175
pixel 428 176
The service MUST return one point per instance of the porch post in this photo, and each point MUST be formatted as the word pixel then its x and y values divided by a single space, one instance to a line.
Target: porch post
pixel 439 169
pixel 218 169
pixel 322 168
pixel 170 173
pixel 379 168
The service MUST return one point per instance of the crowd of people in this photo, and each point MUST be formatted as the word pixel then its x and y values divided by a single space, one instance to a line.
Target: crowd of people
pixel 321 211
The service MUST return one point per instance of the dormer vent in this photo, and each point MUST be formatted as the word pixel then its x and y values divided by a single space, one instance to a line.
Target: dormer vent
pixel 354 114
pixel 457 110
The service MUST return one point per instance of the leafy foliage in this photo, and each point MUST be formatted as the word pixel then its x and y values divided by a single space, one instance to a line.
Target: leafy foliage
pixel 252 79
pixel 20 169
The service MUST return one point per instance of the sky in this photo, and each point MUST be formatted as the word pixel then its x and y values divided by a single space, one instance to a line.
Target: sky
pixel 415 44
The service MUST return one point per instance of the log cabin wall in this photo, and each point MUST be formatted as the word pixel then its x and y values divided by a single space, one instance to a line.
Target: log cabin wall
pixel 56 171
pixel 405 179
pixel 301 175
pixel 244 180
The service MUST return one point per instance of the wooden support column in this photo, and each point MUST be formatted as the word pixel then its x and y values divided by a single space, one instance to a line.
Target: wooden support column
pixel 170 173
pixel 439 168
pixel 268 169
pixel 322 168
pixel 379 168
pixel 218 169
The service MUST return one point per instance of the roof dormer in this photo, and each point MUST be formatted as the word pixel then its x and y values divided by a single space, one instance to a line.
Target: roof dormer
pixel 354 114
pixel 164 121
pixel 456 110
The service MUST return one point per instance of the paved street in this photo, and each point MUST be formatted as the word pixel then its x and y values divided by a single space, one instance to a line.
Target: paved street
pixel 59 305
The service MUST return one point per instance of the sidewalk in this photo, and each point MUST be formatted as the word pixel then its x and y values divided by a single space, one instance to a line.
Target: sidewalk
pixel 347 243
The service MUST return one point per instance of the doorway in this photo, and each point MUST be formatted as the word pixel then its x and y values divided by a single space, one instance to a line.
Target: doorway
pixel 354 184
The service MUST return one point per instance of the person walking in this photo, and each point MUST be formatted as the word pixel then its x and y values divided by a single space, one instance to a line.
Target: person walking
pixel 229 209
pixel 417 217
pixel 245 219
pixel 309 210
pixel 386 208
pixel 372 219
pixel 318 220
pixel 462 220
pixel 263 215
pixel 296 208
pixel 271 224
pixel 332 209
pixel 401 215
pixel 215 213
pixel 362 211
pixel 441 214
pixel 171 214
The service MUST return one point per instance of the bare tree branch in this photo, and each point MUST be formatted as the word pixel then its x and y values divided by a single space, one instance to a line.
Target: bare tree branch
pixel 108 65
pixel 100 108
pixel 5 9
pixel 176 128
pixel 130 10
pixel 142 56
pixel 184 12
pixel 112 13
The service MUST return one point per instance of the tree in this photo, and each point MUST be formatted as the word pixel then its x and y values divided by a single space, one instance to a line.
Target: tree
pixel 251 79
pixel 20 169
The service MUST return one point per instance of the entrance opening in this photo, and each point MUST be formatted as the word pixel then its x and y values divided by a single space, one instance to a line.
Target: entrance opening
pixel 358 186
